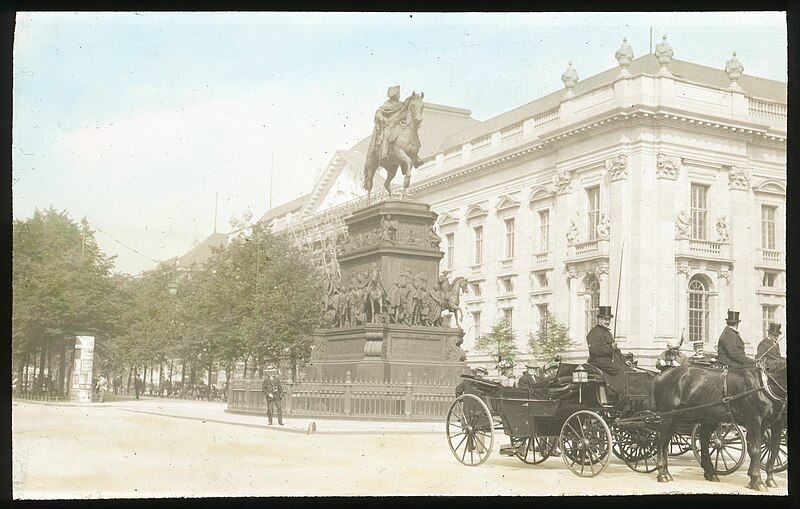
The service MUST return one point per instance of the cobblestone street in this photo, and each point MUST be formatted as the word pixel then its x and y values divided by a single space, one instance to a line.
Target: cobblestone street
pixel 175 448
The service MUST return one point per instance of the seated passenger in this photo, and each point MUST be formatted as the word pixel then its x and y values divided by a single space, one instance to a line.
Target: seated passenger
pixel 507 377
pixel 730 347
pixel 671 357
pixel 526 381
pixel 603 351
pixel 769 350
pixel 478 373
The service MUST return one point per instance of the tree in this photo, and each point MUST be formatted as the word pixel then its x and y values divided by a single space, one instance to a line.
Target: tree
pixel 500 342
pixel 551 341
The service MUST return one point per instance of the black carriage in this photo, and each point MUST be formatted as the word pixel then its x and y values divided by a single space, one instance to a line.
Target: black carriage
pixel 571 414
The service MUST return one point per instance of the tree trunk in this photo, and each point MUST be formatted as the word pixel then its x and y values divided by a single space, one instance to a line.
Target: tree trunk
pixel 183 378
pixel 209 379
pixel 21 374
pixel 62 367
pixel 128 387
pixel 245 366
pixel 293 366
pixel 34 379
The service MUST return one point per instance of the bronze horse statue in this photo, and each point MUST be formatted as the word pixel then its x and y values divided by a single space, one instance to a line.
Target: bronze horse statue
pixel 752 397
pixel 452 296
pixel 403 150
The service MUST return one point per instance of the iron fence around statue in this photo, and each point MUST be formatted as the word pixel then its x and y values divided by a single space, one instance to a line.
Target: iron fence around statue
pixel 347 399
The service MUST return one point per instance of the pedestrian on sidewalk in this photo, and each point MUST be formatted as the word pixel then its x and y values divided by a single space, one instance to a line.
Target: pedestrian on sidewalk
pixel 137 386
pixel 273 393
pixel 103 384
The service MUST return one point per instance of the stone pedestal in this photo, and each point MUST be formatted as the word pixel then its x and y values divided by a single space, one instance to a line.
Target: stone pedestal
pixel 392 242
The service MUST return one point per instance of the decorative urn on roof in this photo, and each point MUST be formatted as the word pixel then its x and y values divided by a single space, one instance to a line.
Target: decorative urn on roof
pixel 624 56
pixel 734 70
pixel 570 79
pixel 664 54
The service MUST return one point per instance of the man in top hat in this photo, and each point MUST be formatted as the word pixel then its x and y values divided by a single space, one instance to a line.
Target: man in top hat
pixel 526 380
pixel 730 347
pixel 273 393
pixel 384 118
pixel 603 351
pixel 769 350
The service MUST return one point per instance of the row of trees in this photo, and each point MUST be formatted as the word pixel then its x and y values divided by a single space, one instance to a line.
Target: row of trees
pixel 255 300
pixel 550 342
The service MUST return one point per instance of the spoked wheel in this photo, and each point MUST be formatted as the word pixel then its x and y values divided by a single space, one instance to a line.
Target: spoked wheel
pixel 470 431
pixel 533 450
pixel 585 443
pixel 782 460
pixel 727 447
pixel 679 444
pixel 637 448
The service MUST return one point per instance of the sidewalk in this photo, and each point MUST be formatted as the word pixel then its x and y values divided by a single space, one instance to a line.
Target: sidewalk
pixel 215 412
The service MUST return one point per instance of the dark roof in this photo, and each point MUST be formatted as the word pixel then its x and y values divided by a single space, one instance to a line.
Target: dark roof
pixel 283 209
pixel 645 65
pixel 200 253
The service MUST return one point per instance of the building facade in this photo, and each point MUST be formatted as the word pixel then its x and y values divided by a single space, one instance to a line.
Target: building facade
pixel 656 187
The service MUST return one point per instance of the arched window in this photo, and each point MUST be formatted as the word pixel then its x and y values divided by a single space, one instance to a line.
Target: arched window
pixel 698 309
pixel 591 297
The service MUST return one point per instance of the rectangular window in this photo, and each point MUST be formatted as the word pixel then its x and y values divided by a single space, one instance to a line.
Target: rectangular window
pixel 541 279
pixel 593 195
pixel 699 211
pixel 544 231
pixel 476 289
pixel 478 245
pixel 769 280
pixel 450 241
pixel 476 315
pixel 509 238
pixel 698 311
pixel 508 284
pixel 767 316
pixel 767 227
pixel 544 313
pixel 508 314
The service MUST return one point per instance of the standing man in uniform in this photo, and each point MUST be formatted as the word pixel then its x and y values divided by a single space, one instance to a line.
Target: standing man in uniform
pixel 273 393
pixel 730 347
pixel 769 350
pixel 603 351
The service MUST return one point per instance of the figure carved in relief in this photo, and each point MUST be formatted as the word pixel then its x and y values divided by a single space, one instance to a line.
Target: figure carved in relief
pixel 375 292
pixel 452 292
pixel 573 235
pixel 603 227
pixel 683 226
pixel 722 229
pixel 388 229
pixel 433 237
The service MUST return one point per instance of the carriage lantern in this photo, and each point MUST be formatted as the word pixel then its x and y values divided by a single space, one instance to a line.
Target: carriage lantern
pixel 580 375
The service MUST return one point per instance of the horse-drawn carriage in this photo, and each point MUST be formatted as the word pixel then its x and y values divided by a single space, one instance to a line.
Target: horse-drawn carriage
pixel 573 414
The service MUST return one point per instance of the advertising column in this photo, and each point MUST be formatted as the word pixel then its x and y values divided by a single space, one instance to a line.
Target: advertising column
pixel 82 369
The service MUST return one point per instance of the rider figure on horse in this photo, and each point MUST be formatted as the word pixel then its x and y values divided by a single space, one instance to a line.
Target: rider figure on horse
pixel 385 117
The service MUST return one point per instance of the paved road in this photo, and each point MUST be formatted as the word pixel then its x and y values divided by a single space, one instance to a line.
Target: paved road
pixel 163 448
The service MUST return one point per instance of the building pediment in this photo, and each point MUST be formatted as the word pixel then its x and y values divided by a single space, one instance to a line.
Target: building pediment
pixel 340 182
pixel 446 219
pixel 475 212
pixel 506 204
pixel 540 193
pixel 771 187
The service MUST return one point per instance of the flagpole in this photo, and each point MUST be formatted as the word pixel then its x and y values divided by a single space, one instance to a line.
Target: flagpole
pixel 619 285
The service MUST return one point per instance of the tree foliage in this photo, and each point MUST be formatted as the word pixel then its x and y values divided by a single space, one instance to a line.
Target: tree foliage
pixel 500 342
pixel 551 341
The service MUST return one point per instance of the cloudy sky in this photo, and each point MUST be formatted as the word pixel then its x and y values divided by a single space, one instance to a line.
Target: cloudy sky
pixel 137 120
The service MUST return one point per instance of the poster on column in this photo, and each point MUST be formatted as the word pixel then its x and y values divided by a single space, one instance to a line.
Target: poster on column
pixel 82 374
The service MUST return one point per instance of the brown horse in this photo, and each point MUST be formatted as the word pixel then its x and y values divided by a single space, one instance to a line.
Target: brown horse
pixel 404 144
pixel 752 397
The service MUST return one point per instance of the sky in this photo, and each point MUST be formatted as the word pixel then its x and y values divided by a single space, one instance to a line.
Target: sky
pixel 138 121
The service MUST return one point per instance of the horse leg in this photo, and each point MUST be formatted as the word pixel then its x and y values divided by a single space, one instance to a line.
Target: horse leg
pixel 776 429
pixel 754 451
pixel 665 431
pixel 706 428
pixel 387 184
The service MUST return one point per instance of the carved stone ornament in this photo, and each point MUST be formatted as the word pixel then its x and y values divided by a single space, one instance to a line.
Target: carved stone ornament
pixel 624 56
pixel 683 268
pixel 617 166
pixel 722 230
pixel 723 273
pixel 734 70
pixel 683 226
pixel 667 167
pixel 664 53
pixel 570 77
pixel 561 181
pixel 573 234
pixel 603 227
pixel 602 270
pixel 572 273
pixel 738 178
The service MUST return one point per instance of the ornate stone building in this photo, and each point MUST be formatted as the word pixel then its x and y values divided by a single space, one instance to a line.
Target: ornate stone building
pixel 661 176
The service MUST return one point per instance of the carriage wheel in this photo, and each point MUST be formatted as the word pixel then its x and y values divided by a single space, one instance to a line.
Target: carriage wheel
pixel 782 460
pixel 585 443
pixel 637 448
pixel 727 447
pixel 470 430
pixel 533 450
pixel 679 444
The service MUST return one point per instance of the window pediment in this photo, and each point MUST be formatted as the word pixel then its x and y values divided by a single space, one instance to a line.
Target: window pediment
pixel 540 193
pixel 446 219
pixel 506 204
pixel 771 187
pixel 475 212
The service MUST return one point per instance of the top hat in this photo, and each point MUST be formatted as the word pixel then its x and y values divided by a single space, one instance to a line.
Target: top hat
pixel 394 90
pixel 733 317
pixel 604 312
pixel 529 366
pixel 774 328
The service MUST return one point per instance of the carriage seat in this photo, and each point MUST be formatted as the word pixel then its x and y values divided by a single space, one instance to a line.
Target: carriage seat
pixel 705 361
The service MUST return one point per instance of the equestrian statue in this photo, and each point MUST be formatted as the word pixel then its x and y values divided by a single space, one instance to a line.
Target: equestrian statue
pixel 395 140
